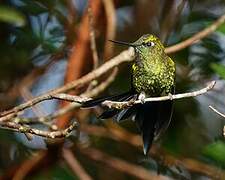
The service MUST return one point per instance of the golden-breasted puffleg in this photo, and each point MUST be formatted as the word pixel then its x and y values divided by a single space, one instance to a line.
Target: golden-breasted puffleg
pixel 153 75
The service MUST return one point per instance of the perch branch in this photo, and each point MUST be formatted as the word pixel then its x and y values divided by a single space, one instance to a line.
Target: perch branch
pixel 119 105
pixel 110 104
pixel 122 105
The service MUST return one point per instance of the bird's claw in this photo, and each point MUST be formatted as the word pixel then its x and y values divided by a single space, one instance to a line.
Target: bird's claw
pixel 142 97
pixel 170 96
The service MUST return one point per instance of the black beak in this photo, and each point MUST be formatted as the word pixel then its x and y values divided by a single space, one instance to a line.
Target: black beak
pixel 123 43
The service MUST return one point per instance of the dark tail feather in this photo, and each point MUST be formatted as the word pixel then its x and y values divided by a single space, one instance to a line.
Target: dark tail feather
pixel 153 118
pixel 146 118
pixel 98 101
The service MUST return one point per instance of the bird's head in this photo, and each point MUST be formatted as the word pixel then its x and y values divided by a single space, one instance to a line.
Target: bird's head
pixel 146 43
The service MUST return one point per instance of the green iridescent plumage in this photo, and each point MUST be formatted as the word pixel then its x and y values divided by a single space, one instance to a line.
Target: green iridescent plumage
pixel 153 74
pixel 153 71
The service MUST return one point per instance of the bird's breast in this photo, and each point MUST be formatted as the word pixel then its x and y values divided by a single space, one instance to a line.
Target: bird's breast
pixel 154 79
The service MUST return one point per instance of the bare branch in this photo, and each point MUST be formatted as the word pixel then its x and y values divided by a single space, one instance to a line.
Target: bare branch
pixel 70 98
pixel 92 37
pixel 124 56
pixel 122 105
pixel 221 114
pixel 110 104
pixel 216 111
pixel 92 93
pixel 125 104
pixel 111 27
pixel 205 32
pixel 25 129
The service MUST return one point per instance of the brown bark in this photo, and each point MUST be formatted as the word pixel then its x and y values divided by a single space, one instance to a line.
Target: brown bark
pixel 80 59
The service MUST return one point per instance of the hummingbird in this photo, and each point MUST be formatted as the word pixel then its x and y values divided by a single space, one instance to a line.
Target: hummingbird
pixel 152 75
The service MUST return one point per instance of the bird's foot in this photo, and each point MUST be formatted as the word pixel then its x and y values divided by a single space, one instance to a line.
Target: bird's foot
pixel 170 96
pixel 142 97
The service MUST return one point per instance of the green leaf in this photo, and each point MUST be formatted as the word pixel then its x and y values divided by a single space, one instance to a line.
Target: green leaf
pixel 219 69
pixel 215 152
pixel 221 28
pixel 11 16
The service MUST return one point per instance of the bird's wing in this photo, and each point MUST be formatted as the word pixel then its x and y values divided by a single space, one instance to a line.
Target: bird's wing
pixel 98 101
pixel 108 113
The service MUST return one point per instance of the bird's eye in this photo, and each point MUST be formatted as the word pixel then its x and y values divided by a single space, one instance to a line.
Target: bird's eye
pixel 149 44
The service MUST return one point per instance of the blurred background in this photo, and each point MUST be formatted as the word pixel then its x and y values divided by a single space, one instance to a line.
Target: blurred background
pixel 45 44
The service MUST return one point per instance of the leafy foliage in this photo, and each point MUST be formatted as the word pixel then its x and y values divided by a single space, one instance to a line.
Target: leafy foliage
pixel 11 16
pixel 33 30
pixel 215 152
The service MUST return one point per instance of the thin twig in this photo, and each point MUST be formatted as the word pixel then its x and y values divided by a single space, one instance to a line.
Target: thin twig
pixel 38 111
pixel 92 93
pixel 205 32
pixel 24 129
pixel 216 111
pixel 221 114
pixel 70 98
pixel 25 93
pixel 122 105
pixel 124 56
pixel 92 37
pixel 111 27
pixel 75 165
pixel 93 44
